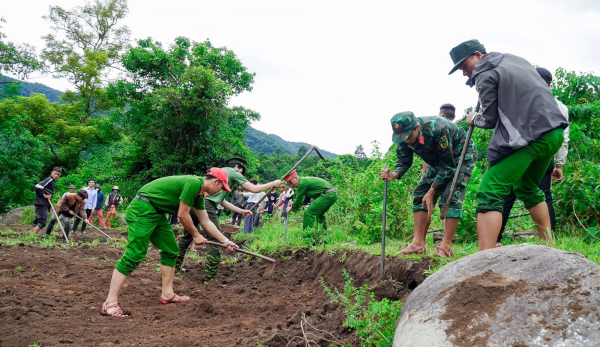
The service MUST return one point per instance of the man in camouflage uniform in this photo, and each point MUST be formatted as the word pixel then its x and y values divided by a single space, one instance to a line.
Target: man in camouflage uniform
pixel 439 142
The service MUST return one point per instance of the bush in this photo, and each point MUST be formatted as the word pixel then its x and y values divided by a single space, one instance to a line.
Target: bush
pixel 374 321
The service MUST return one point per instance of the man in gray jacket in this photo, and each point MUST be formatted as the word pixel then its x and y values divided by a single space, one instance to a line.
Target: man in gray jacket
pixel 528 131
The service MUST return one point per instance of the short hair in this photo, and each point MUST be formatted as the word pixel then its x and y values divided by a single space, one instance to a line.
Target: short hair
pixel 83 194
pixel 253 181
pixel 57 169
pixel 448 110
pixel 91 179
pixel 209 177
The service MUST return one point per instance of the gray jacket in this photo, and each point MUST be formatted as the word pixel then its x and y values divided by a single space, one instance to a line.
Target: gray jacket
pixel 516 103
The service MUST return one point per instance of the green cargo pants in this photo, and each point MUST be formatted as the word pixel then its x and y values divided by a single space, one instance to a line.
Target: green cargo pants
pixel 315 213
pixel 213 259
pixel 524 169
pixel 144 226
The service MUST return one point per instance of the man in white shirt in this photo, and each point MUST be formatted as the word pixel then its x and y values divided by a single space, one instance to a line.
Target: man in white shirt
pixel 253 198
pixel 90 204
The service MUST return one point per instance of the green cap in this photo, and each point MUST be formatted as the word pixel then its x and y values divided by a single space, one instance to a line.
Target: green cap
pixel 402 124
pixel 239 161
pixel 463 51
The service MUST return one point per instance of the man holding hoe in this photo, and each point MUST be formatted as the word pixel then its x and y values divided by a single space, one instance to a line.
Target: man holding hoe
pixel 235 169
pixel 321 191
pixel 528 131
pixel 439 142
pixel 147 223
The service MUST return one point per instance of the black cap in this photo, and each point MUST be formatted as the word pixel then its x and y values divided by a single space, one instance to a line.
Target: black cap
pixel 545 74
pixel 237 161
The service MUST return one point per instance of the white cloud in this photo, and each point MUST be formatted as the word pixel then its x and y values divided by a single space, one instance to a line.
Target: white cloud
pixel 332 73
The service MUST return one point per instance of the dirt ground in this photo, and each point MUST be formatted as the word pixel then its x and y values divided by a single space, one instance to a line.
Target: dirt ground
pixel 55 297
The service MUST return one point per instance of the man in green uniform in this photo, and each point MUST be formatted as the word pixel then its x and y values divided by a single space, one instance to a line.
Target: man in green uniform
pixel 439 142
pixel 528 130
pixel 235 168
pixel 312 188
pixel 147 222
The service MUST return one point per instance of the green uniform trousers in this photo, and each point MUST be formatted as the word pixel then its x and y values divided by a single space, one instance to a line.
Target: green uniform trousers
pixel 315 213
pixel 213 259
pixel 146 225
pixel 524 169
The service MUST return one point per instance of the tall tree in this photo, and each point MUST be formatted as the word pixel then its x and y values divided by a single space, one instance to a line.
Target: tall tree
pixel 359 153
pixel 178 117
pixel 87 42
pixel 18 61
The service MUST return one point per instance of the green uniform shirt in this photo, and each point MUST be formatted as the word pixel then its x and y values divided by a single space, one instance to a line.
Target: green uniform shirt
pixel 309 188
pixel 165 193
pixel 440 144
pixel 234 179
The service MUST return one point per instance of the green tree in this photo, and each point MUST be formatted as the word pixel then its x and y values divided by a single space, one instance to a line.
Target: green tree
pixel 16 60
pixel 178 118
pixel 87 42
pixel 359 153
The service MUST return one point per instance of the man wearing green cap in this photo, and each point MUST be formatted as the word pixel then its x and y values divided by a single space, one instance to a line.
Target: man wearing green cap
pixel 235 169
pixel 439 142
pixel 528 131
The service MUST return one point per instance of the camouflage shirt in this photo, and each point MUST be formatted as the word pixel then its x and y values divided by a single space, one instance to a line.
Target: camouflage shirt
pixel 439 144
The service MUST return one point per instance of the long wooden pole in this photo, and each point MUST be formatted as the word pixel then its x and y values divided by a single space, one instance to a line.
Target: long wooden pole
pixel 218 244
pixel 58 220
pixel 385 187
pixel 444 210
pixel 90 224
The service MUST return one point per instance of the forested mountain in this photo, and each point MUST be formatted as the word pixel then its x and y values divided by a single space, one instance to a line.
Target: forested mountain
pixel 258 141
pixel 27 88
pixel 261 142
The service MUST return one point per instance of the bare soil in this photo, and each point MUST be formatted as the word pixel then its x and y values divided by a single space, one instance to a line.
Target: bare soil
pixel 55 297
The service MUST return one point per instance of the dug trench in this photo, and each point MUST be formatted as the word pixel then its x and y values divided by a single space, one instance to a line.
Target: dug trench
pixel 52 296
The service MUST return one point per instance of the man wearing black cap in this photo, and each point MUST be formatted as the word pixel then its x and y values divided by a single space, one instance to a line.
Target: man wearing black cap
pixel 553 173
pixel 235 169
pixel 528 131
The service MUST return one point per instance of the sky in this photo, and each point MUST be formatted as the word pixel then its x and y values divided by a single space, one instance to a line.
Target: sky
pixel 333 73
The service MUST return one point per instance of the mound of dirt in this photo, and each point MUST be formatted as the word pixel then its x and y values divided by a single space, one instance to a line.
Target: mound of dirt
pixel 52 296
pixel 521 295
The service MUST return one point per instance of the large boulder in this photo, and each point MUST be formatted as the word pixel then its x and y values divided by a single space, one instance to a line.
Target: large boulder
pixel 13 216
pixel 517 296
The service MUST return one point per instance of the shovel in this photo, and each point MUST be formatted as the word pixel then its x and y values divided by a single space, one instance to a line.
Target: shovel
pixel 444 210
pixel 90 224
pixel 270 268
pixel 58 220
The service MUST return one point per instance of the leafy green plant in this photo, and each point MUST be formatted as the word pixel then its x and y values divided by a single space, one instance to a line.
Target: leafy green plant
pixel 374 321
pixel 17 269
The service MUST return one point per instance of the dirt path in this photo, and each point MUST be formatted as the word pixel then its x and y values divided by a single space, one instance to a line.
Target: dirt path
pixel 54 299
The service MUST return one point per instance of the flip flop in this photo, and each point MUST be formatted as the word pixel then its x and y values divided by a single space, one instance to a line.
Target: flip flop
pixel 181 299
pixel 117 312
pixel 412 250
pixel 448 254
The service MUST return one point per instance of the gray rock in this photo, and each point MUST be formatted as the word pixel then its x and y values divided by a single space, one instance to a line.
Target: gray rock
pixel 121 218
pixel 14 216
pixel 523 295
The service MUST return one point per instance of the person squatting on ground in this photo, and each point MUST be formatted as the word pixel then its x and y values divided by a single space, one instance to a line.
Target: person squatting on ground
pixel 53 215
pixel 147 222
pixel 252 197
pixel 439 142
pixel 112 202
pixel 552 174
pixel 321 191
pixel 68 206
pixel 447 111
pixel 98 207
pixel 235 169
pixel 237 199
pixel 90 204
pixel 528 131
pixel 43 193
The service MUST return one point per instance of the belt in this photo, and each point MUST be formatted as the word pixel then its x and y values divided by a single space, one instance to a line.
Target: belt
pixel 330 190
pixel 143 198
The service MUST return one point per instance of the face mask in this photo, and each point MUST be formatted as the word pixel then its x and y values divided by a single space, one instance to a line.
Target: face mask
pixel 115 191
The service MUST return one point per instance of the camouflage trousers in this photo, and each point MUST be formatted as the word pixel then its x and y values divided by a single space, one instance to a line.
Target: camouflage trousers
pixel 455 207
pixel 213 258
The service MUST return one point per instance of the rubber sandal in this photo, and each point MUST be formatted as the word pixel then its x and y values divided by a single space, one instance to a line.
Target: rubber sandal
pixel 117 312
pixel 412 250
pixel 181 299
pixel 448 254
